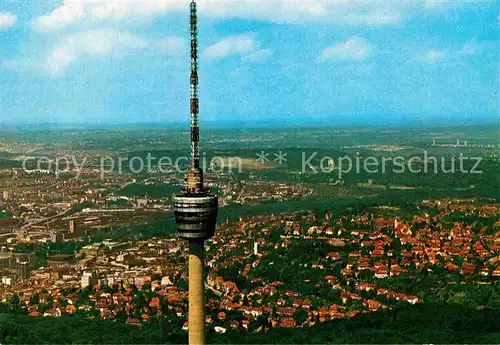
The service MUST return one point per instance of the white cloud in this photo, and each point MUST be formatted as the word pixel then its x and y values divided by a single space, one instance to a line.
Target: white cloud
pixel 375 12
pixel 469 48
pixel 243 45
pixel 259 55
pixel 76 11
pixel 7 20
pixel 433 56
pixel 433 4
pixel 107 43
pixel 379 16
pixel 355 48
pixel 476 48
pixel 445 4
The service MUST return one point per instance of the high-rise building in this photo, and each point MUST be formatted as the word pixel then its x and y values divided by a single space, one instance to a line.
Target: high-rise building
pixel 88 279
pixel 56 237
pixel 6 260
pixel 195 207
pixel 22 269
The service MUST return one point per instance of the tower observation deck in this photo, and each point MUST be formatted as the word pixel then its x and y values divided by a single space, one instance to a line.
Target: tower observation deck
pixel 195 207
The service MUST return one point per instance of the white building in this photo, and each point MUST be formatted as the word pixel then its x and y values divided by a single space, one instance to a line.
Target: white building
pixel 88 278
pixel 6 280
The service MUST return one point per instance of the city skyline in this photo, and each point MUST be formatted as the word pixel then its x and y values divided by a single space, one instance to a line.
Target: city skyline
pixel 94 63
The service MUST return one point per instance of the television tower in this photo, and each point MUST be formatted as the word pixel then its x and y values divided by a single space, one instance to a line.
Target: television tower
pixel 195 207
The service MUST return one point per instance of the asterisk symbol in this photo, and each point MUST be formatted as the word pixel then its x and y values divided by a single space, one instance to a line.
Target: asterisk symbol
pixel 262 157
pixel 280 157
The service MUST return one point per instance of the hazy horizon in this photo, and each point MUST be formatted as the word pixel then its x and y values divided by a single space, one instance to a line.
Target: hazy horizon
pixel 341 122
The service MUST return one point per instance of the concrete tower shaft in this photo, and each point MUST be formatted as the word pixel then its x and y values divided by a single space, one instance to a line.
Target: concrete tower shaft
pixel 196 316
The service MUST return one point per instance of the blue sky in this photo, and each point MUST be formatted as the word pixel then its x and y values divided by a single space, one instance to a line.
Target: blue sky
pixel 117 61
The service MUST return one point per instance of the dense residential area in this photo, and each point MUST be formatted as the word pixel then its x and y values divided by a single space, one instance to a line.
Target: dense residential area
pixel 298 256
pixel 276 271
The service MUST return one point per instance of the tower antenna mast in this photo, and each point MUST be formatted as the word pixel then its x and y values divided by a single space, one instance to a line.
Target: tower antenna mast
pixel 194 102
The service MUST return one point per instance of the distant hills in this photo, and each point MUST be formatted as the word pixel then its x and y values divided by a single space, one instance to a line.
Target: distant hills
pixel 339 121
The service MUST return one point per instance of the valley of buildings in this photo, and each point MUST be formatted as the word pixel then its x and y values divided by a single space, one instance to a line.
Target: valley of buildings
pixel 339 266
